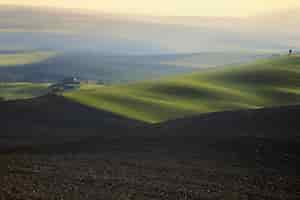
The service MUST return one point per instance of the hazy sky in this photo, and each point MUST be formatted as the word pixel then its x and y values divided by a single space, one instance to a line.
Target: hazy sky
pixel 235 8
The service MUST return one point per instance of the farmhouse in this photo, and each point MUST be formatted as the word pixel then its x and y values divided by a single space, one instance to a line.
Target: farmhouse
pixel 66 84
pixel 71 80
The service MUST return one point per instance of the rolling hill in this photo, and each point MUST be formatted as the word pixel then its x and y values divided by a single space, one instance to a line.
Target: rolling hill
pixel 264 83
pixel 53 119
pixel 17 58
pixel 51 139
pixel 90 152
pixel 108 68
pixel 22 90
pixel 56 121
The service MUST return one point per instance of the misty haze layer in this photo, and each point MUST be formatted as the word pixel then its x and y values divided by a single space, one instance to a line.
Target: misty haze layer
pixel 67 30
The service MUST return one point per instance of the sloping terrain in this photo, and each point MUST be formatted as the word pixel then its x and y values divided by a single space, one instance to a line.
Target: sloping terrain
pixel 12 59
pixel 54 119
pixel 276 122
pixel 11 91
pixel 87 145
pixel 265 83
pixel 89 66
pixel 96 66
pixel 51 147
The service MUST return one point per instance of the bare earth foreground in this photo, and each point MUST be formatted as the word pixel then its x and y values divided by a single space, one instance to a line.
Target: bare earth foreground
pixel 52 148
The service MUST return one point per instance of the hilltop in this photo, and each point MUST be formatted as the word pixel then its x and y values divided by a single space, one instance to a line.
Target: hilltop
pixel 264 83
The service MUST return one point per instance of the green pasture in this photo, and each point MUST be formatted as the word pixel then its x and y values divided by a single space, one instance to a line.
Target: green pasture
pixel 12 91
pixel 24 58
pixel 263 83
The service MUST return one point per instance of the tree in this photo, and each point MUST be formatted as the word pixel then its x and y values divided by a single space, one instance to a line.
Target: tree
pixel 290 52
pixel 1 99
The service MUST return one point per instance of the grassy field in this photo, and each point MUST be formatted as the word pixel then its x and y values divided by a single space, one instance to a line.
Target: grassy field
pixel 264 83
pixel 12 91
pixel 23 58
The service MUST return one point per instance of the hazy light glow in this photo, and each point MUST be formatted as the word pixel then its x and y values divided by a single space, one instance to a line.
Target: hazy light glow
pixel 235 8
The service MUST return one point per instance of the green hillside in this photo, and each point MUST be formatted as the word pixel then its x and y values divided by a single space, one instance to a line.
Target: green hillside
pixel 263 83
pixel 23 58
pixel 12 91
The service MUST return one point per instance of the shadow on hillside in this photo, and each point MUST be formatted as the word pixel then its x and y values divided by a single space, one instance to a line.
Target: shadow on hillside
pixel 55 125
pixel 54 119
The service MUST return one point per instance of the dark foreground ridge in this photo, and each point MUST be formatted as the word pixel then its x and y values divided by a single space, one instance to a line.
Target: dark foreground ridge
pixel 53 148
pixel 279 122
pixel 54 119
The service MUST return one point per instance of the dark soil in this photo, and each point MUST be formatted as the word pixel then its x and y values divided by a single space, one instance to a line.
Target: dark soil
pixel 52 148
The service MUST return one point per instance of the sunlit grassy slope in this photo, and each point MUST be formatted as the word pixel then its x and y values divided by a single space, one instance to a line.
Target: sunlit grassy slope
pixel 11 91
pixel 263 83
pixel 23 58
